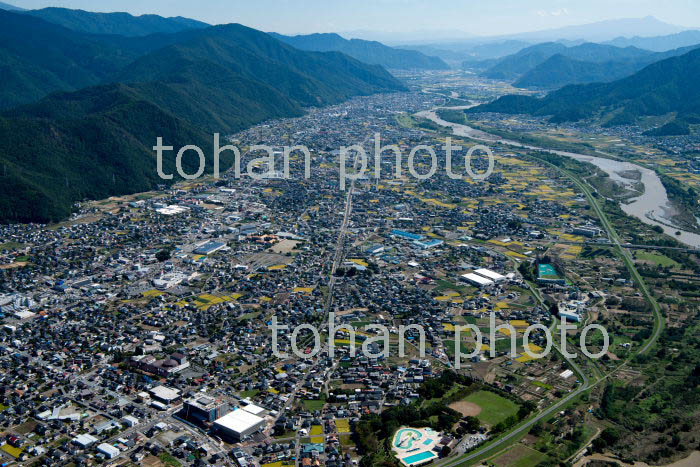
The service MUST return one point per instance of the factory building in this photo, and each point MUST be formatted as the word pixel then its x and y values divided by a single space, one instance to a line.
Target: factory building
pixel 477 280
pixel 108 450
pixel 491 275
pixel 165 394
pixel 208 248
pixel 238 425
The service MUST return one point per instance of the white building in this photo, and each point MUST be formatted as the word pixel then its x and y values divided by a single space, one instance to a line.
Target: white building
pixel 108 450
pixel 255 410
pixel 489 274
pixel 130 421
pixel 164 394
pixel 477 280
pixel 171 210
pixel 571 316
pixel 167 281
pixel 84 440
pixel 239 424
pixel 571 310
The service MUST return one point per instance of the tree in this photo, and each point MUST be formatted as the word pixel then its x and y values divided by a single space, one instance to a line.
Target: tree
pixel 163 255
pixel 445 451
pixel 536 429
pixel 610 436
pixel 471 424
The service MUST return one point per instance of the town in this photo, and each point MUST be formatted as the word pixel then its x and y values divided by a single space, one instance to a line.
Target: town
pixel 138 331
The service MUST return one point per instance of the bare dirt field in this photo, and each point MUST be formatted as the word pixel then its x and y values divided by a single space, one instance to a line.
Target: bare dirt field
pixel 518 456
pixel 466 408
pixel 690 461
pixel 284 246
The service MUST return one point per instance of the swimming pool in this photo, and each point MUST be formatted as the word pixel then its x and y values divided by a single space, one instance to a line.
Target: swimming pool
pixel 428 441
pixel 405 437
pixel 416 458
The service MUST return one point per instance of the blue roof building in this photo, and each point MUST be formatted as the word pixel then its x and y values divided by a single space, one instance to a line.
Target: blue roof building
pixel 208 248
pixel 406 235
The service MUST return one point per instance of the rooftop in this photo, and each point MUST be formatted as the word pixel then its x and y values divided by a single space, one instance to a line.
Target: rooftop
pixel 238 421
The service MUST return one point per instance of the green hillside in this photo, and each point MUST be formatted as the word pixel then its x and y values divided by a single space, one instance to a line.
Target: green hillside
pixel 662 87
pixel 97 141
pixel 263 76
pixel 520 63
pixel 50 58
pixel 558 71
pixel 85 145
pixel 115 23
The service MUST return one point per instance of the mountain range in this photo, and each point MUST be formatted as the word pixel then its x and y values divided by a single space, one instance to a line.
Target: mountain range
pixel 516 65
pixel 93 104
pixel 553 65
pixel 115 23
pixel 659 43
pixel 366 51
pixel 559 70
pixel 645 33
pixel 8 7
pixel 664 87
pixel 592 32
pixel 602 30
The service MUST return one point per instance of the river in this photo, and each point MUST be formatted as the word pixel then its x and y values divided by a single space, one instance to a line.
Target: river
pixel 651 207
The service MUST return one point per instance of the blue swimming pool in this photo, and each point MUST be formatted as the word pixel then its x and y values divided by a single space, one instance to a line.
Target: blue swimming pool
pixel 428 441
pixel 405 437
pixel 423 456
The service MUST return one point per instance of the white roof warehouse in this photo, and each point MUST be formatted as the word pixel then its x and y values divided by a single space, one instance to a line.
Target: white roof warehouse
pixel 239 424
pixel 477 280
pixel 489 274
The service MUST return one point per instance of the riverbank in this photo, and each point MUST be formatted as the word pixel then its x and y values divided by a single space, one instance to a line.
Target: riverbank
pixel 653 207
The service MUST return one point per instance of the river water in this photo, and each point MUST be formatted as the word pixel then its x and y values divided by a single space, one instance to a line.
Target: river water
pixel 652 207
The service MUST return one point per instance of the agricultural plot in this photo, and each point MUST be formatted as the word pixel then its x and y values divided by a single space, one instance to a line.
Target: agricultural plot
pixel 519 456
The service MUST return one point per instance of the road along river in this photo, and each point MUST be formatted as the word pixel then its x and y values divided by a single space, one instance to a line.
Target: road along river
pixel 652 207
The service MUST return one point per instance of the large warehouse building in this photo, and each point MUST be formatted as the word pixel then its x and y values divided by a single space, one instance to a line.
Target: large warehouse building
pixel 477 280
pixel 489 274
pixel 239 424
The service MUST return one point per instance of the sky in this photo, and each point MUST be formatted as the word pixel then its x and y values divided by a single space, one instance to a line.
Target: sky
pixel 472 17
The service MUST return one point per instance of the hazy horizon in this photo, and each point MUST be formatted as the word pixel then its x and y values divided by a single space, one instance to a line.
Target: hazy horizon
pixel 496 18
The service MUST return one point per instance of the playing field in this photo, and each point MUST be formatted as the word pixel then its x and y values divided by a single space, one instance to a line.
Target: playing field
pixel 466 408
pixel 494 408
